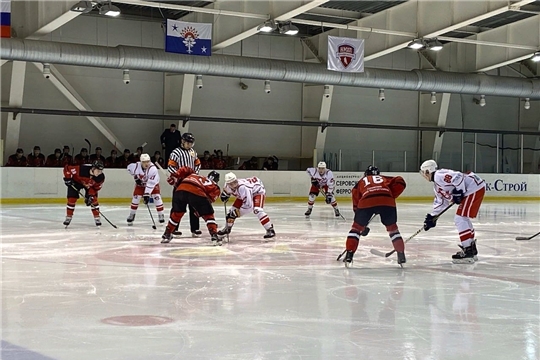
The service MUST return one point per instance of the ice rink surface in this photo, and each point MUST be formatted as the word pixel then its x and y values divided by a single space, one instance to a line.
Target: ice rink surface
pixel 84 293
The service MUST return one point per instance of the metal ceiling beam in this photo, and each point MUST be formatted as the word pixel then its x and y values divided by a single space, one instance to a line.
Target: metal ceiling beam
pixel 195 9
pixel 354 28
pixel 283 17
pixel 488 43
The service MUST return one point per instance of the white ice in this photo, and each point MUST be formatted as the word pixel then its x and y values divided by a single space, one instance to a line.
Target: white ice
pixel 84 293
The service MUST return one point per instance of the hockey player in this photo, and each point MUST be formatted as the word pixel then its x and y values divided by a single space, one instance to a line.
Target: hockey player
pixel 146 178
pixel 198 192
pixel 466 190
pixel 250 194
pixel 89 177
pixel 375 194
pixel 185 155
pixel 322 179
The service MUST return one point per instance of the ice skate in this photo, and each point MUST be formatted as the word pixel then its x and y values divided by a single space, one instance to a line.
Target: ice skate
pixel 225 231
pixel 348 260
pixel 216 240
pixel 401 258
pixel 270 233
pixel 336 212
pixel 97 221
pixel 166 237
pixel 196 233
pixel 465 256
pixel 177 233
pixel 67 221
pixel 308 212
pixel 161 218
pixel 130 219
pixel 475 251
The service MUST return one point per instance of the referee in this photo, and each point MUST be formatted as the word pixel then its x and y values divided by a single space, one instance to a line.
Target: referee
pixel 185 155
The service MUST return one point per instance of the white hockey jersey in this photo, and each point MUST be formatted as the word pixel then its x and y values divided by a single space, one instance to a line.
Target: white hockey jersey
pixel 326 179
pixel 445 181
pixel 247 188
pixel 149 177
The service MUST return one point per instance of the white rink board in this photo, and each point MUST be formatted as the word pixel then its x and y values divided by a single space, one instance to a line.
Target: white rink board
pixel 23 183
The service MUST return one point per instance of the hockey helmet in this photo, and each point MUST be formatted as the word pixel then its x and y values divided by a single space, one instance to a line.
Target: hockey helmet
pixel 372 170
pixel 188 137
pixel 98 164
pixel 214 176
pixel 230 177
pixel 321 165
pixel 427 168
pixel 145 157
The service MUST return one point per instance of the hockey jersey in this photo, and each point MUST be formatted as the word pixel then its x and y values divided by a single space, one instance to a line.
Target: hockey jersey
pixel 377 190
pixel 81 174
pixel 326 179
pixel 247 188
pixel 445 181
pixel 196 184
pixel 148 176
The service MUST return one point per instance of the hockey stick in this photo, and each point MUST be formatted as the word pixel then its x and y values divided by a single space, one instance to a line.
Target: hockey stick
pixel 151 216
pixel 93 207
pixel 89 146
pixel 380 253
pixel 527 238
pixel 225 207
pixel 344 251
pixel 324 194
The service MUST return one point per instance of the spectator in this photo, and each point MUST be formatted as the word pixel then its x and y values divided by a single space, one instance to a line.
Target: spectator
pixel 206 161
pixel 55 160
pixel 157 159
pixel 125 160
pixel 137 155
pixel 67 159
pixel 170 140
pixel 36 158
pixel 219 161
pixel 97 156
pixel 112 161
pixel 17 159
pixel 251 164
pixel 82 157
pixel 271 163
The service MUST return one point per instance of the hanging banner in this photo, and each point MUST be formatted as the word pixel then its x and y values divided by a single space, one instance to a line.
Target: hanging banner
pixel 345 54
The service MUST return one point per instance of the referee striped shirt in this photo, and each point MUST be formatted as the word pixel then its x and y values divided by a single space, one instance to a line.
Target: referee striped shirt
pixel 181 157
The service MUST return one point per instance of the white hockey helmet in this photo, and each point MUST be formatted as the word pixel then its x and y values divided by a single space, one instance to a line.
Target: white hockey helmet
pixel 145 157
pixel 427 168
pixel 230 177
pixel 321 165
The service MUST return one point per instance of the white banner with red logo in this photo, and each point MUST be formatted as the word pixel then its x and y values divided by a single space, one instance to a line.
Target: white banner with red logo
pixel 345 54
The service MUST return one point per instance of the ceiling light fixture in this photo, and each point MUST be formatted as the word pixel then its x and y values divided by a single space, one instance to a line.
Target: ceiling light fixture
pixel 482 101
pixel 83 7
pixel 536 57
pixel 267 88
pixel 416 44
pixel 434 45
pixel 288 29
pixel 527 104
pixel 198 82
pixel 268 26
pixel 109 10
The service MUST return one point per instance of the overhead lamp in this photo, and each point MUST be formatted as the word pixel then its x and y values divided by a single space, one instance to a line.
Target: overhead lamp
pixel 527 104
pixel 288 29
pixel 198 82
pixel 83 7
pixel 416 44
pixel 536 57
pixel 46 70
pixel 268 26
pixel 433 99
pixel 109 10
pixel 326 92
pixel 125 76
pixel 267 88
pixel 482 101
pixel 382 97
pixel 434 45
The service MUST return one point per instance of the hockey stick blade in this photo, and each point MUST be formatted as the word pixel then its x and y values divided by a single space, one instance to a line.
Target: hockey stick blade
pixel 527 238
pixel 341 255
pixel 377 252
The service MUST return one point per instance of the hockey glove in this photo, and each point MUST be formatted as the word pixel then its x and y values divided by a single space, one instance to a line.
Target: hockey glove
pixel 315 183
pixel 224 196
pixel 88 200
pixel 430 222
pixel 138 182
pixel 68 182
pixel 146 199
pixel 233 213
pixel 328 199
pixel 171 180
pixel 366 231
pixel 457 196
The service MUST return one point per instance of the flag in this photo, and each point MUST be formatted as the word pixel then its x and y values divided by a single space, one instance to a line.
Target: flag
pixel 345 54
pixel 5 18
pixel 188 38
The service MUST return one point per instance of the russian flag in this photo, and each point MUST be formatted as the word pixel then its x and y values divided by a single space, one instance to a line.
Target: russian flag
pixel 188 38
pixel 5 18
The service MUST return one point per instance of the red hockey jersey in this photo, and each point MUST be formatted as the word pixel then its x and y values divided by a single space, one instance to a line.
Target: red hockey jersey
pixel 81 174
pixel 377 190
